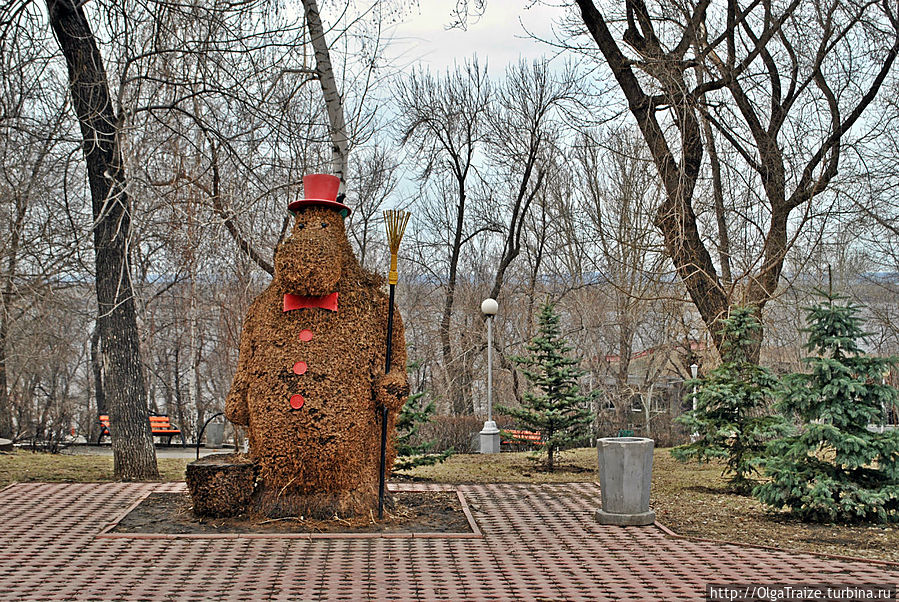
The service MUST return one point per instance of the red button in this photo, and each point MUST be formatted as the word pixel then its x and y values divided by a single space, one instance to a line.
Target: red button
pixel 305 335
pixel 300 368
pixel 297 401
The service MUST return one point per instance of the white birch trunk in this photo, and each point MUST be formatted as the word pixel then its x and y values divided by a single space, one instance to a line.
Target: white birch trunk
pixel 330 93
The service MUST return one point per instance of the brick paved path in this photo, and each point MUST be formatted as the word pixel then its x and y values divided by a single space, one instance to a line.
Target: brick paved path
pixel 539 543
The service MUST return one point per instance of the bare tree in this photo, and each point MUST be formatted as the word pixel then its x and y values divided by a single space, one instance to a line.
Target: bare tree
pixel 333 100
pixel 34 252
pixel 627 256
pixel 775 86
pixel 132 442
pixel 525 126
pixel 374 179
pixel 215 123
pixel 443 123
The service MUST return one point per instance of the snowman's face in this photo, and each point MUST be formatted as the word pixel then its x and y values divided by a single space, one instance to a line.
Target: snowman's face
pixel 309 262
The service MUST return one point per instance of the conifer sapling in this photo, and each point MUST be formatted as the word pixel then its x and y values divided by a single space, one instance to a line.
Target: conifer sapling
pixel 555 408
pixel 733 418
pixel 836 468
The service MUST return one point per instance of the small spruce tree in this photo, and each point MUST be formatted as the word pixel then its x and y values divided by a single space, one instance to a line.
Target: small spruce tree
pixel 834 468
pixel 733 418
pixel 411 451
pixel 557 409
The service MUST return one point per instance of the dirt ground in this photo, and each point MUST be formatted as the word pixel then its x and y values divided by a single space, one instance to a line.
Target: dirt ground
pixel 413 512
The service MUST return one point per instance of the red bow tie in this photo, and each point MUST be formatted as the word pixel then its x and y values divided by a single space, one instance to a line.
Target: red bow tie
pixel 328 302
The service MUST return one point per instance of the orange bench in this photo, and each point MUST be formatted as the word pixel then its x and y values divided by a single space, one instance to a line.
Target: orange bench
pixel 521 438
pixel 160 426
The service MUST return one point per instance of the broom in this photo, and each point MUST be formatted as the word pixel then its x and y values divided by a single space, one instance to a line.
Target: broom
pixel 396 224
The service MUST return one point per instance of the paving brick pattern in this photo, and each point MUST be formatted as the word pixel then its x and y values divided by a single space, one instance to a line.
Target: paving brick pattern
pixel 539 543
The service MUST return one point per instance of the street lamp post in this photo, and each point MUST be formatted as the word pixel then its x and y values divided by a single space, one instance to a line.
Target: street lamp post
pixel 489 435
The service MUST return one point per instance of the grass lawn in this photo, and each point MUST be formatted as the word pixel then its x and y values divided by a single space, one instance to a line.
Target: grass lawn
pixel 689 498
pixel 24 466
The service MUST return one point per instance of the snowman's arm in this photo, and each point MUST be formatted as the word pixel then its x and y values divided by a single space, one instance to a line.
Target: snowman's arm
pixel 393 388
pixel 398 357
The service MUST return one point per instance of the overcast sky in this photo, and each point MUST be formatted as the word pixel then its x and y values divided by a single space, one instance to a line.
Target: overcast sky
pixel 497 37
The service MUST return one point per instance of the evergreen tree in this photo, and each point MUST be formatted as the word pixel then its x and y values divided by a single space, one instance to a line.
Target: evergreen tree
pixel 733 417
pixel 834 468
pixel 411 451
pixel 557 410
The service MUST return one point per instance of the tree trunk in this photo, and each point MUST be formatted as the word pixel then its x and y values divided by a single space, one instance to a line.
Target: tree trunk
pixel 647 409
pixel 179 395
pixel 520 209
pixel 330 93
pixel 97 370
pixel 718 196
pixel 550 466
pixel 675 217
pixel 6 430
pixel 6 423
pixel 196 392
pixel 452 365
pixel 132 443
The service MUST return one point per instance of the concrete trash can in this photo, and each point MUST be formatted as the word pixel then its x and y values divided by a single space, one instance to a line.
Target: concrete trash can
pixel 215 433
pixel 625 473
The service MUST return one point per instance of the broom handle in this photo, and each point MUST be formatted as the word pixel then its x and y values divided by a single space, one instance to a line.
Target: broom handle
pixel 390 330
pixel 381 476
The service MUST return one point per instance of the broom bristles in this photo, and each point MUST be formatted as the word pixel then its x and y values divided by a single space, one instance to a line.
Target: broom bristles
pixel 396 224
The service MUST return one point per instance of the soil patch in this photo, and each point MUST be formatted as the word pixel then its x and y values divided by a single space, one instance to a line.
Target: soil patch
pixel 413 512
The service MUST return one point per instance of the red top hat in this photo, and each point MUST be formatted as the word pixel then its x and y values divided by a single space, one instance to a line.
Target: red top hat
pixel 320 189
